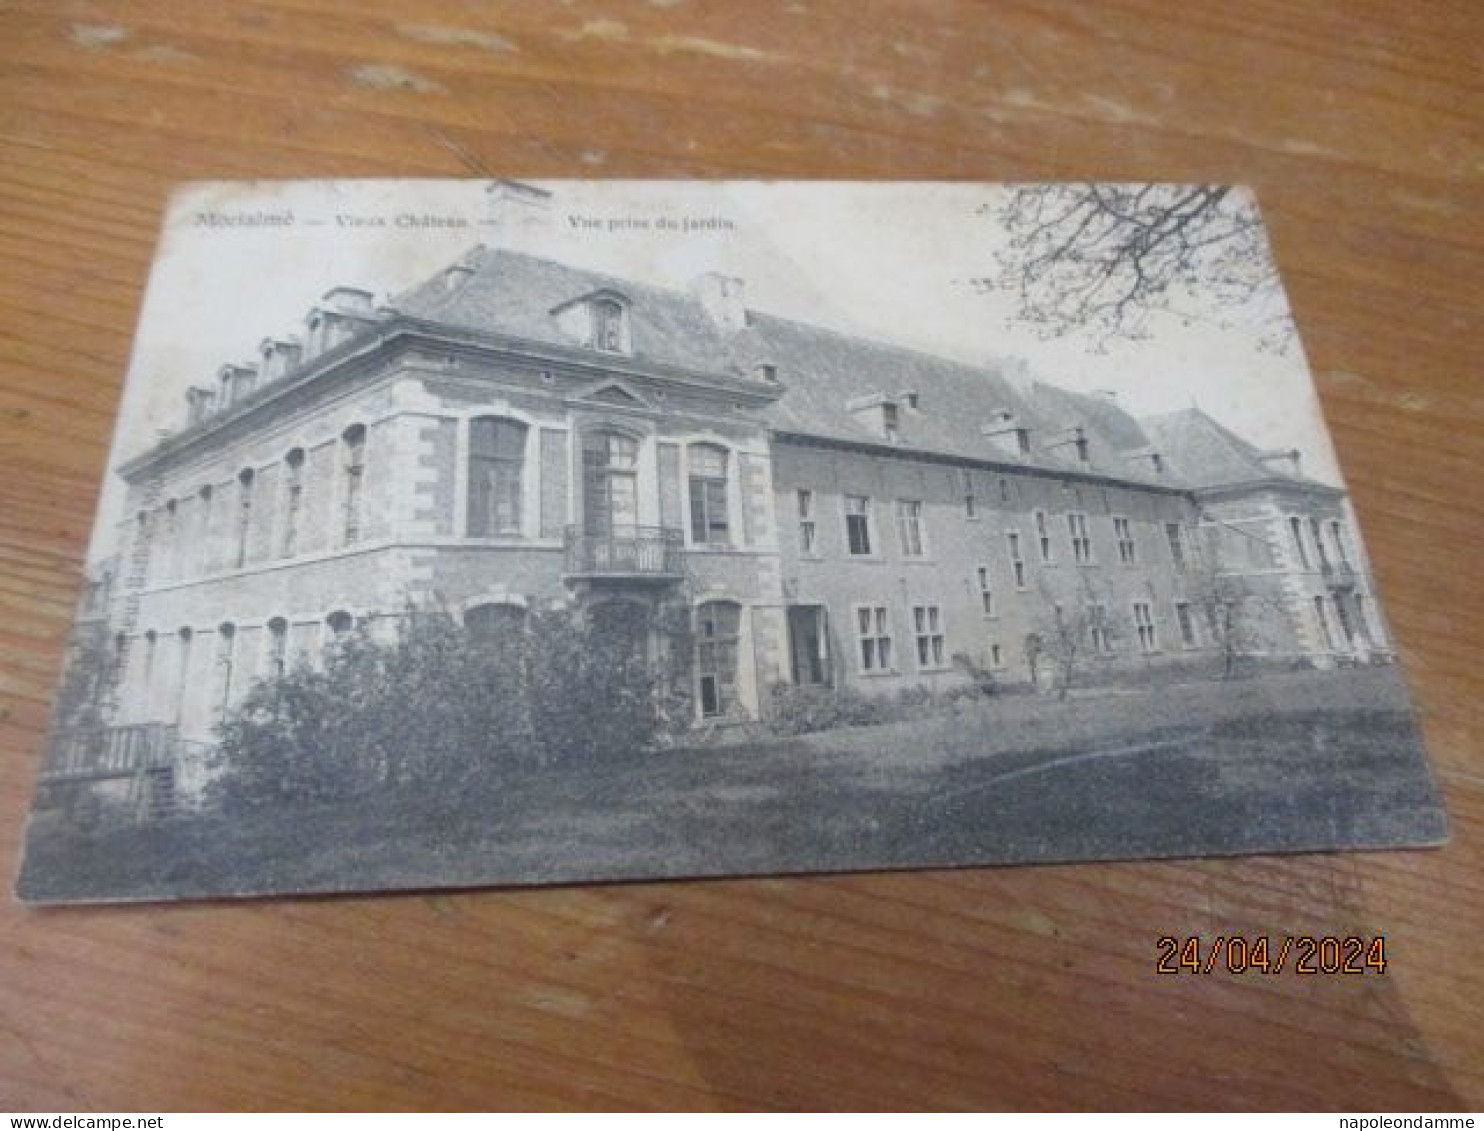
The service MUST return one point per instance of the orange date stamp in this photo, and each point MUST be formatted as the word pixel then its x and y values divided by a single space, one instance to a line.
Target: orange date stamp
pixel 1304 955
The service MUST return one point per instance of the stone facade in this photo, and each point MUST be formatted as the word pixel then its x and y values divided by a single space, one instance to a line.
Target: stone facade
pixel 847 512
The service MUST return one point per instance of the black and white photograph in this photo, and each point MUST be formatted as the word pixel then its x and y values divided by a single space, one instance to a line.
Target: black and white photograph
pixel 488 532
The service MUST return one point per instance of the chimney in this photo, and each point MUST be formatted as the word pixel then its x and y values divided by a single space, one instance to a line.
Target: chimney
pixel 237 383
pixel 519 215
pixel 348 300
pixel 198 403
pixel 1285 461
pixel 724 299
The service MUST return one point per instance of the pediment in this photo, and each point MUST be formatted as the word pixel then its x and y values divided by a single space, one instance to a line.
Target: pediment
pixel 613 393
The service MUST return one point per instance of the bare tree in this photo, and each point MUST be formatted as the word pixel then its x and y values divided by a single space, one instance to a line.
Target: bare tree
pixel 1232 608
pixel 1069 636
pixel 1102 259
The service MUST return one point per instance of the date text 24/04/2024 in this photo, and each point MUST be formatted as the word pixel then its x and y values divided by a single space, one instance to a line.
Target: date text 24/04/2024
pixel 1264 954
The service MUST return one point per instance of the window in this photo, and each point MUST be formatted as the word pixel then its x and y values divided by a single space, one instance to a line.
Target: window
pixel 1128 550
pixel 1337 531
pixel 891 422
pixel 873 627
pixel 996 657
pixel 353 453
pixel 244 516
pixel 1186 619
pixel 339 623
pixel 183 671
pixel 1176 535
pixel 986 592
pixel 1004 490
pixel 203 529
pixel 1098 633
pixel 1144 625
pixel 1081 543
pixel 226 642
pixel 610 492
pixel 718 637
pixel 1296 528
pixel 909 527
pixel 494 621
pixel 293 500
pixel 858 525
pixel 497 457
pixel 1083 451
pixel 1023 441
pixel 927 627
pixel 1043 536
pixel 608 328
pixel 1017 559
pixel 170 543
pixel 708 495
pixel 278 647
pixel 1321 614
pixel 1314 529
pixel 806 521
pixel 970 508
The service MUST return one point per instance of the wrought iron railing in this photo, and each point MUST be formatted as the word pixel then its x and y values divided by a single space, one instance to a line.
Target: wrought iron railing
pixel 645 551
pixel 116 751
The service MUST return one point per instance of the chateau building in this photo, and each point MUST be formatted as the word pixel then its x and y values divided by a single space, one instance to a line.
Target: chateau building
pixel 515 433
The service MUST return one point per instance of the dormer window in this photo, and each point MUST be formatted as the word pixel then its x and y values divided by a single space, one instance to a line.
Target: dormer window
pixel 891 422
pixel 608 325
pixel 1082 447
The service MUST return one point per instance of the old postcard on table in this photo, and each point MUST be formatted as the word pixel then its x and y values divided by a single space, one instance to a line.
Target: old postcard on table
pixel 479 533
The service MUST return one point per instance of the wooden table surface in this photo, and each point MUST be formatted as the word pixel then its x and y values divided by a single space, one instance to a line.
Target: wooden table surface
pixel 1359 124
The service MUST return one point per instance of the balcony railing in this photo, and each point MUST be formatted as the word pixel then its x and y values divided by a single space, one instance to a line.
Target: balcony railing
pixel 656 552
pixel 109 752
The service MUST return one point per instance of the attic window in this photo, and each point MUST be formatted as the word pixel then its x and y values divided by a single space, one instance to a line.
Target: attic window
pixel 1158 462
pixel 767 372
pixel 608 325
pixel 1082 449
pixel 890 421
pixel 1023 441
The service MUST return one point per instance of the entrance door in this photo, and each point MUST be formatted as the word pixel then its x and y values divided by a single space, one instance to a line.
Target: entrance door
pixel 809 646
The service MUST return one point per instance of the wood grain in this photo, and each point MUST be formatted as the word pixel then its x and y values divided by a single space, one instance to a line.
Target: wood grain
pixel 1359 124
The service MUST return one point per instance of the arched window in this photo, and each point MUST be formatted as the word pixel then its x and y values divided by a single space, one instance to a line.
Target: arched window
pixel 293 501
pixel 353 465
pixel 203 554
pixel 244 516
pixel 171 539
pixel 278 647
pixel 147 671
pixel 709 520
pixel 718 638
pixel 494 621
pixel 610 491
pixel 226 645
pixel 182 671
pixel 497 453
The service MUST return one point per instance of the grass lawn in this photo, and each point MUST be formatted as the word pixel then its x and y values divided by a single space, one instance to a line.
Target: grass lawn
pixel 1283 763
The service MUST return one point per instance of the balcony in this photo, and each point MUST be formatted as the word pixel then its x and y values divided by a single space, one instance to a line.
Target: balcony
pixel 630 553
pixel 110 752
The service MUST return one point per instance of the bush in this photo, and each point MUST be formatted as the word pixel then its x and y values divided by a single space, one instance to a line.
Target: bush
pixel 982 680
pixel 803 709
pixel 442 711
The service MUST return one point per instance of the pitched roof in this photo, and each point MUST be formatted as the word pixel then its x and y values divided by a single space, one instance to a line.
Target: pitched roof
pixel 1204 453
pixel 823 371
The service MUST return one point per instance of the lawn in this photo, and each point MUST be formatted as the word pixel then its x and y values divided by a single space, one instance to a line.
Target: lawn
pixel 1283 763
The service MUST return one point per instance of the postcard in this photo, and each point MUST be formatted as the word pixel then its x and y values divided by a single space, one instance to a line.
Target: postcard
pixel 464 533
